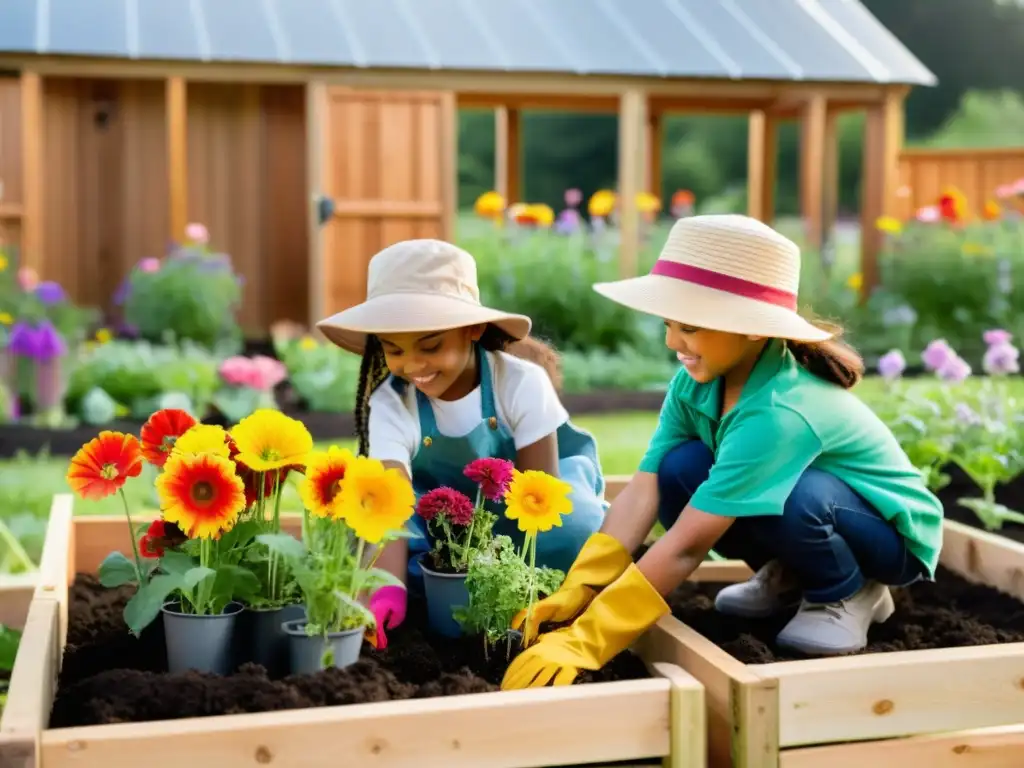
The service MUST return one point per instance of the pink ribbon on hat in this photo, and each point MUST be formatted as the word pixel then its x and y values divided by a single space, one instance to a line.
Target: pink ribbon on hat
pixel 727 283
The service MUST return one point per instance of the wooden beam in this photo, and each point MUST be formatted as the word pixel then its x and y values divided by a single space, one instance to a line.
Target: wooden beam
pixel 762 165
pixel 177 154
pixel 654 146
pixel 812 168
pixel 632 128
pixel 508 160
pixel 33 172
pixel 539 102
pixel 883 139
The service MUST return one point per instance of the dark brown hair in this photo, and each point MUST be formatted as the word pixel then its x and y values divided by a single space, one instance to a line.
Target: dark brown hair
pixel 374 370
pixel 833 360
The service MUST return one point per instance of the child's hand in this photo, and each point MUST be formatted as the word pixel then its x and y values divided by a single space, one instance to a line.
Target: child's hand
pixel 388 606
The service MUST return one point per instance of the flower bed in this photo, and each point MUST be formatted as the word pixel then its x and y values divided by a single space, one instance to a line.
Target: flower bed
pixel 462 722
pixel 949 660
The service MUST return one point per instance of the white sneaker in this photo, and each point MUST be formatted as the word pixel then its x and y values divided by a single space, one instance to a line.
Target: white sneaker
pixel 769 591
pixel 835 628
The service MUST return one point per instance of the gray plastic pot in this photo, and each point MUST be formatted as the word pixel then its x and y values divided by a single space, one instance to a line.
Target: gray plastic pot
pixel 260 639
pixel 445 592
pixel 202 643
pixel 307 652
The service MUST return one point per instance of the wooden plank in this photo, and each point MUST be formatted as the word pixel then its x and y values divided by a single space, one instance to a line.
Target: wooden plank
pixel 448 152
pixel 632 130
pixel 33 168
pixel 508 160
pixel 813 126
pixel 984 558
pixel 16 592
pixel 883 139
pixel 57 563
pixel 316 168
pixel 688 727
pixel 177 155
pixel 983 748
pixel 762 165
pixel 508 729
pixel 653 147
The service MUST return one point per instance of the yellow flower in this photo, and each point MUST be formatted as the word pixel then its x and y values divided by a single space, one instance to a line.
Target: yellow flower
pixel 374 501
pixel 103 335
pixel 325 471
pixel 308 343
pixel 601 203
pixel 889 224
pixel 203 438
pixel 537 501
pixel 855 281
pixel 6 318
pixel 201 494
pixel 489 205
pixel 648 203
pixel 538 215
pixel 267 439
pixel 3 262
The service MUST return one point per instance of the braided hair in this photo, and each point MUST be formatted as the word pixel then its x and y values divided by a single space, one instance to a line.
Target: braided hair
pixel 373 371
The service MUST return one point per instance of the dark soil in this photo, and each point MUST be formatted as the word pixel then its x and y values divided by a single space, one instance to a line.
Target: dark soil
pixel 91 690
pixel 950 612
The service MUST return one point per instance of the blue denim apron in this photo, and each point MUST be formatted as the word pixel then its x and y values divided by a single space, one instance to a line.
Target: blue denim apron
pixel 441 460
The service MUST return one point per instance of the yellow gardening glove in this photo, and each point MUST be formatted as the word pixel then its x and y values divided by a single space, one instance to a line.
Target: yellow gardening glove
pixel 626 609
pixel 598 564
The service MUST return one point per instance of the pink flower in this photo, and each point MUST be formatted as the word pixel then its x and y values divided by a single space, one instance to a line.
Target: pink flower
pixel 28 279
pixel 446 501
pixel 149 265
pixel 955 369
pixel 236 371
pixel 1004 191
pixel 573 197
pixel 197 233
pixel 937 354
pixel 1001 358
pixel 492 475
pixel 929 214
pixel 266 372
pixel 1018 187
pixel 997 336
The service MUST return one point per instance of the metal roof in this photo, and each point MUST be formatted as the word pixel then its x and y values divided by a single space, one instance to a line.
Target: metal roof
pixel 828 40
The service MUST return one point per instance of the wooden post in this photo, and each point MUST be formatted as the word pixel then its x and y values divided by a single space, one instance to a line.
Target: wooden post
pixel 177 154
pixel 449 164
pixel 813 151
pixel 632 127
pixel 830 178
pixel 883 139
pixel 762 163
pixel 654 145
pixel 33 171
pixel 316 156
pixel 507 154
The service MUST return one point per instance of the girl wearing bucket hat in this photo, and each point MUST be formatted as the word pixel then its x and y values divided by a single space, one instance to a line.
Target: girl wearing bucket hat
pixel 445 380
pixel 762 454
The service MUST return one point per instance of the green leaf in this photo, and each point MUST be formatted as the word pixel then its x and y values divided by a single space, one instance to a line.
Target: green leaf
pixel 9 639
pixel 177 563
pixel 192 577
pixel 357 609
pixel 145 604
pixel 287 546
pixel 235 582
pixel 116 570
pixel 378 577
pixel 240 535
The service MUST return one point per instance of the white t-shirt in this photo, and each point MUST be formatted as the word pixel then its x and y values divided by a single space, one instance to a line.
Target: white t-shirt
pixel 525 399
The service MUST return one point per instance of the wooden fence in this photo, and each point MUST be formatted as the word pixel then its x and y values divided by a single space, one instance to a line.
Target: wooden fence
pixel 925 173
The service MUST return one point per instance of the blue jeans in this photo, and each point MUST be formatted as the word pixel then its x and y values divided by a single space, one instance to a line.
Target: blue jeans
pixel 827 536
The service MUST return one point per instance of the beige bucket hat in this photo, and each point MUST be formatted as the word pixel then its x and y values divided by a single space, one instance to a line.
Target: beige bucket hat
pixel 724 272
pixel 418 285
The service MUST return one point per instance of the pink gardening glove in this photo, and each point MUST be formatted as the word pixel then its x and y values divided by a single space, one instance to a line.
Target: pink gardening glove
pixel 387 605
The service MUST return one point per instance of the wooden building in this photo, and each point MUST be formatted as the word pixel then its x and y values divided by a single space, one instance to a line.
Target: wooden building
pixel 122 120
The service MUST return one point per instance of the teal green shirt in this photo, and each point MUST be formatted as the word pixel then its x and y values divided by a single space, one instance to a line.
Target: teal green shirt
pixel 787 420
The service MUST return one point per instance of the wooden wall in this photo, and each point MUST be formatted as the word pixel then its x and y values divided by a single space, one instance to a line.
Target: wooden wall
pixel 389 165
pixel 247 184
pixel 10 161
pixel 924 173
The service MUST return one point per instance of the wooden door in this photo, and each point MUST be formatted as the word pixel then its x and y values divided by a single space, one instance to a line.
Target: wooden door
pixel 387 160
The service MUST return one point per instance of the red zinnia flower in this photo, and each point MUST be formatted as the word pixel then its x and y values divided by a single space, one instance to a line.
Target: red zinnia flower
pixel 161 430
pixel 492 475
pixel 151 544
pixel 103 465
pixel 445 501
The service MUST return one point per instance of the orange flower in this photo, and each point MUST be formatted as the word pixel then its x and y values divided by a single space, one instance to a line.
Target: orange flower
pixel 952 205
pixel 161 430
pixel 103 465
pixel 991 211
pixel 201 494
pixel 682 197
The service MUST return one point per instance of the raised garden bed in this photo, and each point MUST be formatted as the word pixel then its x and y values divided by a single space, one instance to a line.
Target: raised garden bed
pixel 442 716
pixel 951 659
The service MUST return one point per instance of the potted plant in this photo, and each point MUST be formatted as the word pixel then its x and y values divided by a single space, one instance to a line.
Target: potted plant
pixel 459 528
pixel 351 502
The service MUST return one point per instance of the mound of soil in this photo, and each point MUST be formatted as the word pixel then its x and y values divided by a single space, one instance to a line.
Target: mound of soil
pixel 92 690
pixel 950 612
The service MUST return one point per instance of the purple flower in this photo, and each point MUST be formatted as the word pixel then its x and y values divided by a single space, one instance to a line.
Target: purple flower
pixel 937 354
pixel 50 293
pixel 997 336
pixel 966 415
pixel 954 369
pixel 568 221
pixel 1001 358
pixel 573 197
pixel 40 343
pixel 892 364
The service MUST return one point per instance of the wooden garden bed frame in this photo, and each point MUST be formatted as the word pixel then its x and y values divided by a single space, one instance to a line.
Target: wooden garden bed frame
pixel 661 717
pixel 943 707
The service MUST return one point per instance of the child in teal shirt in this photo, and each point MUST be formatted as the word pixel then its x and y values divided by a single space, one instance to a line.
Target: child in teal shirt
pixel 761 453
